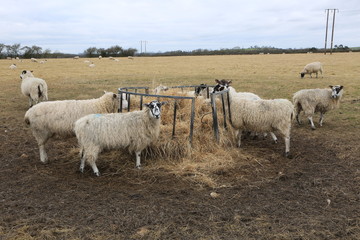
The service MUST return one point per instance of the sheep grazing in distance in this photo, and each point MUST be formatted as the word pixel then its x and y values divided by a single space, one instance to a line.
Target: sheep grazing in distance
pixel 317 100
pixel 225 84
pixel 311 68
pixel 34 88
pixel 91 65
pixel 133 130
pixel 51 118
pixel 76 57
pixel 34 60
pixel 13 66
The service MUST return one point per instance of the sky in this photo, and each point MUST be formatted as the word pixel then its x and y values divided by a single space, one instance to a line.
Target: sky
pixel 72 26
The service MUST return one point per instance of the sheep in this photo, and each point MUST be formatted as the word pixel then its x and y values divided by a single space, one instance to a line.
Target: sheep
pixel 58 117
pixel 159 89
pixel 13 66
pixel 225 84
pixel 310 68
pixel 34 60
pixel 76 57
pixel 262 116
pixel 133 130
pixel 91 65
pixel 317 100
pixel 203 90
pixel 34 88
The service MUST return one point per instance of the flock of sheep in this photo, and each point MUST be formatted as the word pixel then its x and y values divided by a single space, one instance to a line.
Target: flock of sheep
pixel 98 126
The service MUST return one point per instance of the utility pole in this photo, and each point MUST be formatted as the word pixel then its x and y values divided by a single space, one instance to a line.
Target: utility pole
pixel 141 46
pixel 326 31
pixel 332 34
pixel 327 26
pixel 145 45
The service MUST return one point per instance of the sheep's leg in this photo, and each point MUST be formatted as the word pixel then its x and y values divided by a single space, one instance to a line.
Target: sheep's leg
pixel 43 155
pixel 311 122
pixel 42 138
pixel 82 161
pixel 287 147
pixel 321 119
pixel 138 163
pixel 274 137
pixel 91 160
pixel 30 102
pixel 238 135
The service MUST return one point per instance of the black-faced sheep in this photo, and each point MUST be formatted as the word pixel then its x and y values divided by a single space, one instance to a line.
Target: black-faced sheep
pixel 34 88
pixel 311 68
pixel 317 100
pixel 133 130
pixel 58 117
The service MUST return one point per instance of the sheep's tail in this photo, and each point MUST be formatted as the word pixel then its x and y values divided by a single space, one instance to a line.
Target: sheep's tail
pixel 27 120
pixel 40 90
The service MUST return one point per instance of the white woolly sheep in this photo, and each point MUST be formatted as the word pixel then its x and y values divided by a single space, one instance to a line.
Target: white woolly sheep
pixel 262 116
pixel 58 117
pixel 34 60
pixel 13 66
pixel 91 65
pixel 311 68
pixel 32 87
pixel 133 130
pixel 225 84
pixel 317 100
pixel 159 89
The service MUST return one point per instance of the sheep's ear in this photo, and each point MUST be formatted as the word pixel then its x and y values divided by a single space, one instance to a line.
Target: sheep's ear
pixel 341 87
pixel 114 95
pixel 163 103
pixel 229 82
pixel 330 86
pixel 217 81
pixel 146 105
pixel 31 71
pixel 24 72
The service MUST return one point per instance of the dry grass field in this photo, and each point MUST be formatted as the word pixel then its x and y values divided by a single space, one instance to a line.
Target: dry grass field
pixel 211 191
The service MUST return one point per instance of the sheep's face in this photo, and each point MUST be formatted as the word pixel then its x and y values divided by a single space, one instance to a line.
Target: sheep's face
pixel 302 75
pixel 155 109
pixel 26 73
pixel 221 85
pixel 336 91
pixel 199 89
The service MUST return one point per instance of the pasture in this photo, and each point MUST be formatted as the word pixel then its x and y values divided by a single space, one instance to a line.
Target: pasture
pixel 215 191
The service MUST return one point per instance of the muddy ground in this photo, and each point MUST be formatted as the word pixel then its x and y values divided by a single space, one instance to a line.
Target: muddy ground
pixel 314 195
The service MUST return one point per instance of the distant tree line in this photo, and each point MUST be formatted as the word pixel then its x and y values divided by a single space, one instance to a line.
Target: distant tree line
pixel 16 50
pixel 251 50
pixel 113 51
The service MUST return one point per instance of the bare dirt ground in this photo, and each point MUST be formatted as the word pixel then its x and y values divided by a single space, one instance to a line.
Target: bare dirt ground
pixel 314 195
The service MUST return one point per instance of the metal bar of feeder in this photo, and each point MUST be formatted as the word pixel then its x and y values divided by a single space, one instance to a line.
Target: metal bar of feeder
pixel 192 120
pixel 141 102
pixel 121 100
pixel 174 119
pixel 228 100
pixel 224 110
pixel 128 97
pixel 215 121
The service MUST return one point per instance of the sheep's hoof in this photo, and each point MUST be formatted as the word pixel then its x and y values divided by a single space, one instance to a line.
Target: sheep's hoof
pixel 275 141
pixel 138 167
pixel 97 174
pixel 288 155
pixel 313 128
pixel 81 170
